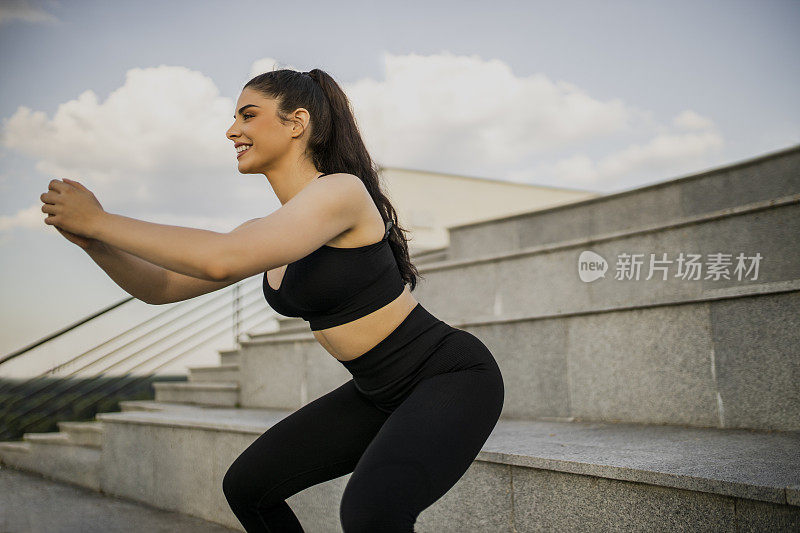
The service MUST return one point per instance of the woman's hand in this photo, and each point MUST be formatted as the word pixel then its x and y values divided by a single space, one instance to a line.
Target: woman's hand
pixel 72 208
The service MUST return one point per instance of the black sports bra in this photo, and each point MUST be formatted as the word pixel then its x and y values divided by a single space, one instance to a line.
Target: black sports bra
pixel 332 286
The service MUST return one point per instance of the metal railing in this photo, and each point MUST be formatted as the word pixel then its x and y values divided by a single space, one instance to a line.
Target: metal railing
pixel 53 396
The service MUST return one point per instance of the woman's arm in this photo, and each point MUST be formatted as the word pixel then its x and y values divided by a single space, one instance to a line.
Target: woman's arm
pixel 189 251
pixel 315 215
pixel 139 278
pixel 150 283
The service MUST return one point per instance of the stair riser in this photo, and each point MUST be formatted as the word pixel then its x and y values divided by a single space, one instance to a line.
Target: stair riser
pixel 293 327
pixel 210 398
pixel 173 468
pixel 87 438
pixel 205 376
pixel 777 176
pixel 126 407
pixel 79 465
pixel 229 358
pixel 84 434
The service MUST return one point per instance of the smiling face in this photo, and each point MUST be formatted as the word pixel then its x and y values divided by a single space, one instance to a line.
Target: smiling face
pixel 256 123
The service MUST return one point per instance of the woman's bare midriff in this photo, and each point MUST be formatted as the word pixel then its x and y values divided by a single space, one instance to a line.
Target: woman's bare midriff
pixel 348 341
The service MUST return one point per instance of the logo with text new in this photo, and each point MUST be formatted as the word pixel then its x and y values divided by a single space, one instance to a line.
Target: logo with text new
pixel 591 266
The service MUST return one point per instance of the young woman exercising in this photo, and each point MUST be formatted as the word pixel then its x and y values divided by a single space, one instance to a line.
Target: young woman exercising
pixel 424 395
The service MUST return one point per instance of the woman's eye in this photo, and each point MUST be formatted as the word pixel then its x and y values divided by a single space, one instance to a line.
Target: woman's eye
pixel 246 115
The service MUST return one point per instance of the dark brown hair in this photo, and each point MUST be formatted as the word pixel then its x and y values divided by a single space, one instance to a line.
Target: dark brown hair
pixel 334 143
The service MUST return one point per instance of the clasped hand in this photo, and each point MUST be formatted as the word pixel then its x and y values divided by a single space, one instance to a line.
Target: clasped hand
pixel 72 207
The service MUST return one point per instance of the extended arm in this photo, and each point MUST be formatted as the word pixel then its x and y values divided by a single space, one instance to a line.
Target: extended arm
pixel 318 213
pixel 190 251
pixel 142 280
pixel 151 283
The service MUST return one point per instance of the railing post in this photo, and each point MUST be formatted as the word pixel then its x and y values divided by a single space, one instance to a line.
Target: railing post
pixel 236 308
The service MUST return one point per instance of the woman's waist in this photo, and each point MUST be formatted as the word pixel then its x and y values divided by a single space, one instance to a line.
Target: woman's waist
pixel 351 340
pixel 402 353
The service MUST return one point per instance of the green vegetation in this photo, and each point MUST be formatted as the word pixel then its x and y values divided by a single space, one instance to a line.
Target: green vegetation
pixel 34 406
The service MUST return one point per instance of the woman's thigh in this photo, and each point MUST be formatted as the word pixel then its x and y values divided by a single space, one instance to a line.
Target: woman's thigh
pixel 428 443
pixel 322 440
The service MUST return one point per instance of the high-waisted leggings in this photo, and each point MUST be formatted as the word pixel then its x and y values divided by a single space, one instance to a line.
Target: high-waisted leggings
pixel 419 407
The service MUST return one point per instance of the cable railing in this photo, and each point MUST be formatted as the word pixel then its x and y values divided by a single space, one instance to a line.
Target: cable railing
pixel 63 330
pixel 50 405
pixel 179 309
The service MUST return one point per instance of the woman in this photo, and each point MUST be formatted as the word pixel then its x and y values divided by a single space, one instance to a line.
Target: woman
pixel 424 396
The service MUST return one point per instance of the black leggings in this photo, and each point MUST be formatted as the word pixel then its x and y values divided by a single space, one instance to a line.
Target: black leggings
pixel 420 406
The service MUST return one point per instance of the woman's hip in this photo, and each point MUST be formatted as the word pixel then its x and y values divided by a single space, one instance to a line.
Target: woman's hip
pixel 422 346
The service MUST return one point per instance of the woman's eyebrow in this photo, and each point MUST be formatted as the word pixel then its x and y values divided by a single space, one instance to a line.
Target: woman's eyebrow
pixel 245 107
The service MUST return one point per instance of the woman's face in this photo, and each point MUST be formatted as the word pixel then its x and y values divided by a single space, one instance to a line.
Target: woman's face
pixel 259 127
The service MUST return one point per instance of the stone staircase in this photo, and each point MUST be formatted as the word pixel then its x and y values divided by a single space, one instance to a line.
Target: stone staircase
pixel 71 454
pixel 631 404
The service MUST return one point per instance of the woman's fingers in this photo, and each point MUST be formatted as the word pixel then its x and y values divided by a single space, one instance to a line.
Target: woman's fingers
pixel 76 184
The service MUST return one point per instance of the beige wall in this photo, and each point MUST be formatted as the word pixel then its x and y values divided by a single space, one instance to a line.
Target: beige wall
pixel 430 202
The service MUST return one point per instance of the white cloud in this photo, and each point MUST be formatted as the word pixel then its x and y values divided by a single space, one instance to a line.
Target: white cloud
pixel 158 141
pixel 268 64
pixel 669 154
pixel 464 113
pixel 690 120
pixel 26 11
pixel 162 118
pixel 487 114
pixel 30 217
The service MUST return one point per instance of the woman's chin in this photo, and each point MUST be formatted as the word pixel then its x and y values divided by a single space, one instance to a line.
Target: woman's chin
pixel 245 168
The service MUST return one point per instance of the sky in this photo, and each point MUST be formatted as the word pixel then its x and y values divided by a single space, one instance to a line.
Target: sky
pixel 133 100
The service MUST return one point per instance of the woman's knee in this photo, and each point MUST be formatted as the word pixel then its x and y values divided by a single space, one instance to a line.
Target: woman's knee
pixel 388 497
pixel 244 484
pixel 236 485
pixel 358 518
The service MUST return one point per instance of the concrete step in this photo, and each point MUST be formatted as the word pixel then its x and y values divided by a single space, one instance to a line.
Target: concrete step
pixel 544 280
pixel 291 334
pixel 530 475
pixel 684 363
pixel 48 438
pixel 230 357
pixel 152 405
pixel 431 256
pixel 296 327
pixel 202 393
pixel 286 325
pixel 227 356
pixel 30 503
pixel 289 325
pixel 757 179
pixel 219 373
pixel 56 456
pixel 84 433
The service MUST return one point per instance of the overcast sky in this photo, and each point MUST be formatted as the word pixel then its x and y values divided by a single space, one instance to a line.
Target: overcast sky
pixel 133 100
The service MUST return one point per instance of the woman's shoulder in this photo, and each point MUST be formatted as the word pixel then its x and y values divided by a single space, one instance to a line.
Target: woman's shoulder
pixel 347 184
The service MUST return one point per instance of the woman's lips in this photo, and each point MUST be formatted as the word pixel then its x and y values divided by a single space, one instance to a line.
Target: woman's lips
pixel 238 155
